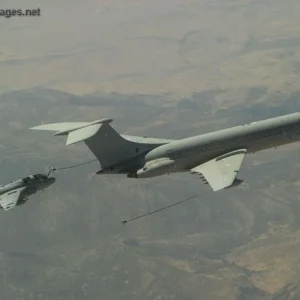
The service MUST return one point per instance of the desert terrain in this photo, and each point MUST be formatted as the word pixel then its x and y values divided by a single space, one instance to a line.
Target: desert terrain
pixel 165 69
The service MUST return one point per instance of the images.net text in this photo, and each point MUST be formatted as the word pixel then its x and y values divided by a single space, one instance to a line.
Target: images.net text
pixel 8 13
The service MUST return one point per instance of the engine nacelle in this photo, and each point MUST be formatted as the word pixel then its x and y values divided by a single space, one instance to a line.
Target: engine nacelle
pixel 154 168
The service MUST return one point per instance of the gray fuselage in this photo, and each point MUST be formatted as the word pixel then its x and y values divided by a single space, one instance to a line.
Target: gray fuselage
pixel 256 136
pixel 29 188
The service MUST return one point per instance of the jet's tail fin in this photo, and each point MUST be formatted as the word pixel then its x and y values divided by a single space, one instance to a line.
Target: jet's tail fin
pixel 76 131
pixel 105 143
pixel 85 131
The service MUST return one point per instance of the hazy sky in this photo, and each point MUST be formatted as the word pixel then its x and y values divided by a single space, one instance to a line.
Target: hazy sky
pixel 145 46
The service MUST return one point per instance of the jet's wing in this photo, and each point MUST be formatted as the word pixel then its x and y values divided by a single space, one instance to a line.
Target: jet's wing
pixel 221 172
pixel 10 199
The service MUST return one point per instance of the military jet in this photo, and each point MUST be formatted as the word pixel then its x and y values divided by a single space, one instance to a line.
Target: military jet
pixel 216 156
pixel 17 192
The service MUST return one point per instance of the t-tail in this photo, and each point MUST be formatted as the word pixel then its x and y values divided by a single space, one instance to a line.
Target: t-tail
pixel 110 148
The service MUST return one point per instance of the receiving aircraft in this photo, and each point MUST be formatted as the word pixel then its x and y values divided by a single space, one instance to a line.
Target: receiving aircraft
pixel 217 156
pixel 17 192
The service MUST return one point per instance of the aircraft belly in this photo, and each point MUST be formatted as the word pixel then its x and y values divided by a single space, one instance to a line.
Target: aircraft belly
pixel 261 145
pixel 125 167
pixel 273 142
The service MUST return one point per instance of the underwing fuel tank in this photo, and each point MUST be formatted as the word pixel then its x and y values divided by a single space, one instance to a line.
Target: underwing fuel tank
pixel 154 168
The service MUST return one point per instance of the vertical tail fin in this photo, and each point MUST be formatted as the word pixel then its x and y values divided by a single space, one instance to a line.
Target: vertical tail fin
pixel 104 142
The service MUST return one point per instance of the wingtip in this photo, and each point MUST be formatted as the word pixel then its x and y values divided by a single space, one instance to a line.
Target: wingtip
pixel 38 127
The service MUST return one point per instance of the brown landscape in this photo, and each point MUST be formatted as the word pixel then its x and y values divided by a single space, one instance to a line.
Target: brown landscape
pixel 165 69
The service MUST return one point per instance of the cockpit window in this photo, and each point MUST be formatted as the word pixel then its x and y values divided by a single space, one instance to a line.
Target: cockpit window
pixel 39 176
pixel 26 179
pixel 34 177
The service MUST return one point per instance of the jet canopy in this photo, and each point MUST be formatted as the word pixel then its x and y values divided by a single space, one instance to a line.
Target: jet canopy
pixel 36 177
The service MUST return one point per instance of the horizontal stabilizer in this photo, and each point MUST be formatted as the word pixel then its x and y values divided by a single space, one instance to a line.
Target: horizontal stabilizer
pixel 82 134
pixel 76 131
pixel 64 126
